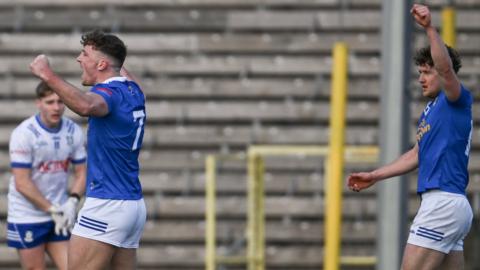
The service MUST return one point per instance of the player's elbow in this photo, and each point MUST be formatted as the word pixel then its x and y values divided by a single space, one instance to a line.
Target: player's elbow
pixel 95 107
pixel 86 109
pixel 445 70
pixel 21 186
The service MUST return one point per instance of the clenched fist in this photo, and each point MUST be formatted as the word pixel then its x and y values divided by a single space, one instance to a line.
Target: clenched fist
pixel 40 66
pixel 422 15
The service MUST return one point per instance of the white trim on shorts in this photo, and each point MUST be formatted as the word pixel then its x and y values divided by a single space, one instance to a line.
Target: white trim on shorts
pixel 116 222
pixel 442 221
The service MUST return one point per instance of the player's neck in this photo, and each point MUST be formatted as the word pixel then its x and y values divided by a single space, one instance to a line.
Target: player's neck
pixel 103 76
pixel 49 126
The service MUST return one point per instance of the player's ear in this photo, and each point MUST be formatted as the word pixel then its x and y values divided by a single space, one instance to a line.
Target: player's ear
pixel 102 64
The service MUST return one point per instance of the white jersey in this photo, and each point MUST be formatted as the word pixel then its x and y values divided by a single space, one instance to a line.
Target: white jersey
pixel 48 153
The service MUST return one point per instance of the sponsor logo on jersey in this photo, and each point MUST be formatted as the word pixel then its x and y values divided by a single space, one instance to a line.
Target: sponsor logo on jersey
pixel 422 129
pixel 52 166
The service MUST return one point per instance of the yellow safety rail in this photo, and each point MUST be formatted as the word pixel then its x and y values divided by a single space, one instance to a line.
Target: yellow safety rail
pixel 211 258
pixel 448 26
pixel 210 212
pixel 256 213
pixel 255 257
pixel 333 213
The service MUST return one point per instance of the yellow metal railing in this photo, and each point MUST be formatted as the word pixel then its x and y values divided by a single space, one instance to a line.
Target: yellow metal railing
pixel 210 212
pixel 256 213
pixel 333 213
pixel 211 258
pixel 255 255
pixel 448 26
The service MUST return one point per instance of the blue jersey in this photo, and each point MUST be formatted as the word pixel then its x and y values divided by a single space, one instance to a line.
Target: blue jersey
pixel 444 134
pixel 114 142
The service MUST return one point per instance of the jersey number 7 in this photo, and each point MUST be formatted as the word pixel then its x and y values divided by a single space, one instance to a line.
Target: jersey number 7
pixel 138 115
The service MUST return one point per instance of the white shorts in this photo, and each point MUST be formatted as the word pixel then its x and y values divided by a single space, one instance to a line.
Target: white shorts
pixel 442 222
pixel 116 222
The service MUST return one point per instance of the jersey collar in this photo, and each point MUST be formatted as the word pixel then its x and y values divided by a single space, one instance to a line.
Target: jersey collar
pixel 49 130
pixel 112 79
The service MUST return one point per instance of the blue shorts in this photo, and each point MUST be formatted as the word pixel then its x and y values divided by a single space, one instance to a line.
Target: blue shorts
pixel 29 235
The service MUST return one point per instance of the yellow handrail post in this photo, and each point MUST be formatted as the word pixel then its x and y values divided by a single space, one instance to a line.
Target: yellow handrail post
pixel 210 213
pixel 251 228
pixel 255 230
pixel 333 204
pixel 448 26
pixel 260 215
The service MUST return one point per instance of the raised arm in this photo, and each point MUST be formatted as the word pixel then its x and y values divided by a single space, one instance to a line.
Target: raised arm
pixel 84 104
pixel 441 60
pixel 404 164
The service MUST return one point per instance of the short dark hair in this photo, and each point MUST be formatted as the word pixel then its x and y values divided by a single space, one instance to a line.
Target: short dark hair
pixel 108 44
pixel 424 57
pixel 43 90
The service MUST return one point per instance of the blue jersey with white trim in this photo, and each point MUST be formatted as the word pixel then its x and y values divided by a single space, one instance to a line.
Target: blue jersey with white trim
pixel 444 135
pixel 114 142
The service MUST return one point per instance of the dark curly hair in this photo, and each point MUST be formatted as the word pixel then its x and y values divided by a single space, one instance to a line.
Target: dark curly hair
pixel 424 57
pixel 108 44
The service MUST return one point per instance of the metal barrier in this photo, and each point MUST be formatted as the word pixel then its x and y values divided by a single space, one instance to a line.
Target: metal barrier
pixel 448 26
pixel 338 109
pixel 255 255
pixel 211 258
